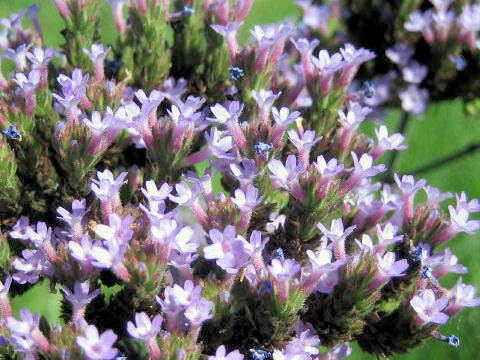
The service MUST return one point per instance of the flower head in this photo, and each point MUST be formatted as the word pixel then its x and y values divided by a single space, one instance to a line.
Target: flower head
pixel 95 346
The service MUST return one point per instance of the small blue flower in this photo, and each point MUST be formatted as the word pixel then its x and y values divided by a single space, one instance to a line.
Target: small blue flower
pixel 426 272
pixel 259 354
pixel 418 254
pixel 266 288
pixel 278 254
pixel 369 89
pixel 460 62
pixel 262 148
pixel 11 132
pixel 236 73
pixel 188 11
pixel 452 340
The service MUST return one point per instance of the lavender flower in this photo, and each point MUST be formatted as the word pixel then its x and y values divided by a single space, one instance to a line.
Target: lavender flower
pixel 80 298
pixel 303 145
pixel 228 251
pixel 363 168
pixel 145 328
pixel 337 234
pixel 95 346
pixel 221 354
pixel 387 268
pixel 414 100
pixel 245 173
pixel 415 73
pixel 33 264
pixel 28 86
pixel 408 187
pixel 400 54
pixel 428 308
pixel 385 142
pixel 286 176
pixel 97 54
pixel 229 32
pixel 461 295
pixel 264 99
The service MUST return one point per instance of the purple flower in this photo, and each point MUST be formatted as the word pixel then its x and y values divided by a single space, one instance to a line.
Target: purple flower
pixel 18 56
pixel 33 264
pixel 199 312
pixel 284 117
pixel 461 295
pixel 363 169
pixel 224 115
pixel 228 251
pixel 385 142
pixel 387 268
pixel 326 63
pixel 176 298
pixel 19 230
pixel 434 196
pixel 73 91
pixel 459 220
pixel 26 326
pixel 106 187
pixel 429 309
pixel 415 73
pixel 419 22
pixel 354 58
pixel 97 54
pixel 305 48
pixel 400 54
pixel 337 231
pixel 386 236
pixel 151 192
pixel 414 100
pixel 283 271
pixel 81 252
pixel 229 32
pixel 247 201
pixel 40 57
pixel 27 85
pixel 287 176
pixel 186 195
pixel 4 287
pixel 264 99
pixel 118 229
pixel 95 346
pixel 25 345
pixel 219 145
pixel 328 170
pixel 245 173
pixel 471 206
pixel 306 142
pixel 445 262
pixel 80 297
pixel 408 187
pixel 321 271
pixel 355 115
pixel 145 328
pixel 108 257
pixel 173 89
pixel 221 354
pixel 337 234
pixel 75 219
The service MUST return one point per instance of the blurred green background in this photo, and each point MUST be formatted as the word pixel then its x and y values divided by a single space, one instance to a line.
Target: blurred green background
pixel 444 130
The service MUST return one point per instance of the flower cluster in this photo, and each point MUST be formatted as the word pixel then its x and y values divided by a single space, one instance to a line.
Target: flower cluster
pixel 218 200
